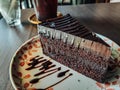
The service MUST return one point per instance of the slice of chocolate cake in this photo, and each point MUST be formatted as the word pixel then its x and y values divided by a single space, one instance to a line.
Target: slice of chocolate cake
pixel 68 42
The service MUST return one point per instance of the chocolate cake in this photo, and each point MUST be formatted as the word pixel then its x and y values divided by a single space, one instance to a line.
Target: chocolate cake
pixel 67 41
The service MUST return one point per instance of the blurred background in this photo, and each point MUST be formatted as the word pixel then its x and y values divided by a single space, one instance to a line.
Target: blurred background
pixel 28 3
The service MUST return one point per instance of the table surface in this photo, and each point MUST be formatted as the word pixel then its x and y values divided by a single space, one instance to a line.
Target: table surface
pixel 100 18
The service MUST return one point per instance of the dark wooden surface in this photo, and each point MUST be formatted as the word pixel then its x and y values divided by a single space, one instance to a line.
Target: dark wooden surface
pixel 100 18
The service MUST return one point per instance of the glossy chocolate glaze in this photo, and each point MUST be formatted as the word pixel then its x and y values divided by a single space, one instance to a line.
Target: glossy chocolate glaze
pixel 72 26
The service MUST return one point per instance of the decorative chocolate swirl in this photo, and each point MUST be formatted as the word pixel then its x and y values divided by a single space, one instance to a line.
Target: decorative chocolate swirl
pixel 45 66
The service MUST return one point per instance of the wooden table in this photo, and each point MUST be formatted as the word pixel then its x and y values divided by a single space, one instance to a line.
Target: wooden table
pixel 100 18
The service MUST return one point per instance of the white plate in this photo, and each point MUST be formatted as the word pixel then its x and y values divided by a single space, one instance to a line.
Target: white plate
pixel 20 77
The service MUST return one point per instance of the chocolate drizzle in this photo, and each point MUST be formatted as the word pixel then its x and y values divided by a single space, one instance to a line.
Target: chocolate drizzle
pixel 61 74
pixel 44 71
pixel 60 81
pixel 34 62
pixel 45 67
pixel 57 82
pixel 33 81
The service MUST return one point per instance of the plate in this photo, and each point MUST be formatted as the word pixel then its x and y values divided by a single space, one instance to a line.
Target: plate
pixel 26 74
pixel 33 19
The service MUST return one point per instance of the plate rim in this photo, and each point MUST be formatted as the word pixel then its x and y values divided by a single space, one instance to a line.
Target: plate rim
pixel 12 60
pixel 23 44
pixel 99 35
